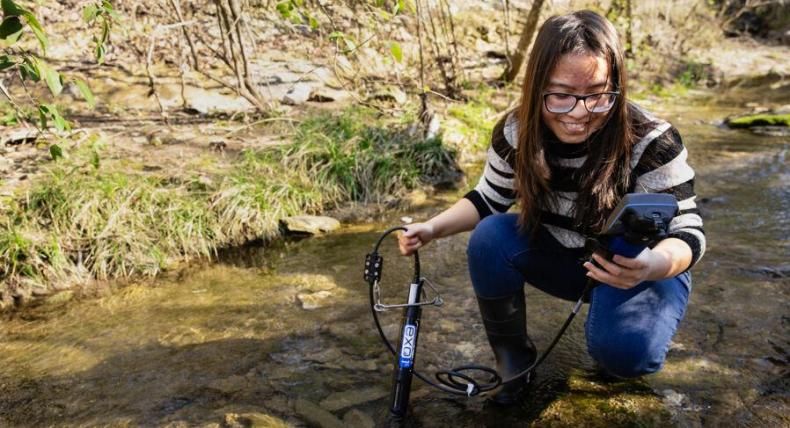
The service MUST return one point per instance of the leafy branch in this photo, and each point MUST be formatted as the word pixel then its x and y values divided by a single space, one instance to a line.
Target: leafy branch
pixel 30 67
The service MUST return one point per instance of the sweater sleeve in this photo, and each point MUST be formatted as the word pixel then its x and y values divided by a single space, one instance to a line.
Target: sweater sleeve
pixel 495 191
pixel 663 168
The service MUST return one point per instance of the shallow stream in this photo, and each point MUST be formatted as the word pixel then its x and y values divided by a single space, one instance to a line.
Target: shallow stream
pixel 283 334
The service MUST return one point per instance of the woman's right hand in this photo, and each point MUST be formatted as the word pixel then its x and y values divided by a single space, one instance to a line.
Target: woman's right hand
pixel 415 237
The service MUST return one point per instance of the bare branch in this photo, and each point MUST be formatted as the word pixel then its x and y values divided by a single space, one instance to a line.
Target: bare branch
pixel 176 6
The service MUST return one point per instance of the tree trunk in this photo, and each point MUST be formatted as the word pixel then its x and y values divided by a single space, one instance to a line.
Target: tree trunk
pixel 517 58
pixel 629 40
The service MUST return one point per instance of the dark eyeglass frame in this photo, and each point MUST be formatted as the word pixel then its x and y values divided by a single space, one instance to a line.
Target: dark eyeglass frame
pixel 583 98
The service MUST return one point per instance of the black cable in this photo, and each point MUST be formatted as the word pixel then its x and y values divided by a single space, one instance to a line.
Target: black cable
pixel 448 378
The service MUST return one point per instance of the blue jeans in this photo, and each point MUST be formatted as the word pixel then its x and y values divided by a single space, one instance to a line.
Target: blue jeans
pixel 628 331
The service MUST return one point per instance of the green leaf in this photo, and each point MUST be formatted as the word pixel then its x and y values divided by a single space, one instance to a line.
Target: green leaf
pixel 50 111
pixel 11 9
pixel 95 160
pixel 86 92
pixel 29 70
pixel 10 26
pixel 56 152
pixel 105 32
pixel 6 62
pixel 43 113
pixel 89 13
pixel 100 51
pixel 285 9
pixel 34 25
pixel 313 22
pixel 9 119
pixel 396 51
pixel 60 122
pixel 52 77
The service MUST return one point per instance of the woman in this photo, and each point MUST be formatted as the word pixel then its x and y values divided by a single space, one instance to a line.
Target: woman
pixel 567 155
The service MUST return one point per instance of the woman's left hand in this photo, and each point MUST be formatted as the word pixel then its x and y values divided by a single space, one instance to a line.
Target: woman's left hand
pixel 623 272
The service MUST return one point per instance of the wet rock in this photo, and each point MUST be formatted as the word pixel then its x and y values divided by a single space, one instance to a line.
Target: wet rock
pixel 468 349
pixel 311 301
pixel 331 354
pixel 367 365
pixel 344 67
pixel 672 398
pixel 229 385
pixel 391 330
pixel 759 120
pixel 310 225
pixel 717 200
pixel 782 271
pixel 177 424
pixel 207 102
pixel 390 93
pixel 290 76
pixel 372 62
pixel 315 415
pixel 310 282
pixel 342 400
pixel 253 420
pixel 18 136
pixel 342 329
pixel 416 198
pixel 274 92
pixel 358 419
pixel 299 94
pixel 326 95
pixel 771 131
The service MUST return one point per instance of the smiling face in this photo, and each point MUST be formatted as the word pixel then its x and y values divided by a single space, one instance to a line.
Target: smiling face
pixel 578 74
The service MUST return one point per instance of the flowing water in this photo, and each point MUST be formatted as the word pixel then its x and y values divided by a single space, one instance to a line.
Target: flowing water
pixel 284 335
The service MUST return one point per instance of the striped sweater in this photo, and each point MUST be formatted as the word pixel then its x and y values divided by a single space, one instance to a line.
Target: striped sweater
pixel 658 162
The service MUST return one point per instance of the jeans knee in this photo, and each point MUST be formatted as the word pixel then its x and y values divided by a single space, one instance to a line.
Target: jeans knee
pixel 626 356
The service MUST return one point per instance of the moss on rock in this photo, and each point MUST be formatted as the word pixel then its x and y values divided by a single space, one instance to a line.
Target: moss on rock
pixel 764 119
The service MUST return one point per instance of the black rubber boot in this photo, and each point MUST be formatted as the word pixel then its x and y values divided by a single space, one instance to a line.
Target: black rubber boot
pixel 505 321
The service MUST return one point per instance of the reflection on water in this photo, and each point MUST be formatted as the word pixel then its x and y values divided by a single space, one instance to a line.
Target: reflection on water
pixel 284 335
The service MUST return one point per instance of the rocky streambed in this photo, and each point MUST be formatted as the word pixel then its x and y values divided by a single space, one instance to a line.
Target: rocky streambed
pixel 282 335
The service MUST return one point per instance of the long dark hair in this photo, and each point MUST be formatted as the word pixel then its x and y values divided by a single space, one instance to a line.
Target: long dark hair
pixel 606 171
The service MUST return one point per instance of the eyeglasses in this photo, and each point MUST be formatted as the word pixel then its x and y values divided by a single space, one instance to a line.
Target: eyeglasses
pixel 557 102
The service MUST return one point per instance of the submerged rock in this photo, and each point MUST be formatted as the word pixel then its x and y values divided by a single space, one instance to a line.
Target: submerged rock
pixel 343 400
pixel 309 224
pixel 771 131
pixel 315 415
pixel 253 420
pixel 315 300
pixel 358 419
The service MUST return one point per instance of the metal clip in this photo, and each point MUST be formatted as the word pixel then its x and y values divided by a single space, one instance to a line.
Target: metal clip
pixel 381 307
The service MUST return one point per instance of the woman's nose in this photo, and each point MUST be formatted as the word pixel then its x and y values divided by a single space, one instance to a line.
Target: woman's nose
pixel 579 110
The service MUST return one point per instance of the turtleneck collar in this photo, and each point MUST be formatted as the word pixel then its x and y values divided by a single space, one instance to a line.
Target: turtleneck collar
pixel 565 150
